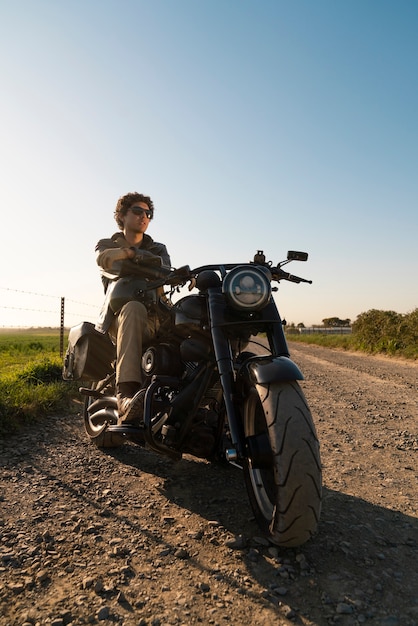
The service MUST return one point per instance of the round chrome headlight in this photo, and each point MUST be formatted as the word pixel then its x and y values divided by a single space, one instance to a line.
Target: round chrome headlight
pixel 247 288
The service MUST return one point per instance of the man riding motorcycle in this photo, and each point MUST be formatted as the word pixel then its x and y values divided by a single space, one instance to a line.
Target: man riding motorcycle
pixel 135 321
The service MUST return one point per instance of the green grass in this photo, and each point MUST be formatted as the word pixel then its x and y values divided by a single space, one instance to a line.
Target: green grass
pixel 354 343
pixel 342 342
pixel 31 385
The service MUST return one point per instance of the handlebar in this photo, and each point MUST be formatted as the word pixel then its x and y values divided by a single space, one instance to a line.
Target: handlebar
pixel 279 274
pixel 185 273
pixel 179 276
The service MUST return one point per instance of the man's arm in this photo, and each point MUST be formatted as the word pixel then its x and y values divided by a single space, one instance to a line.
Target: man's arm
pixel 109 252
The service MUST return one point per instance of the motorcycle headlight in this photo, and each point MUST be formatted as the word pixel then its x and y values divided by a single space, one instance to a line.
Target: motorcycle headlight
pixel 247 288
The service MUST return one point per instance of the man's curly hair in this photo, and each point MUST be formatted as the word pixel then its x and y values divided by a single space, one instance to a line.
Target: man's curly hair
pixel 125 202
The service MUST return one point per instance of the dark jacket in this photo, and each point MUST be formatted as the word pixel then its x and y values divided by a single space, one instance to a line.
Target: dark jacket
pixel 111 258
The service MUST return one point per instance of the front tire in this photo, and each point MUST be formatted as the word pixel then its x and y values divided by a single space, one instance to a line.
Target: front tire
pixel 285 483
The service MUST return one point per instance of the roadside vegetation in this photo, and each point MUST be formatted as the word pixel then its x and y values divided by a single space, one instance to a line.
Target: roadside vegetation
pixel 374 332
pixel 31 385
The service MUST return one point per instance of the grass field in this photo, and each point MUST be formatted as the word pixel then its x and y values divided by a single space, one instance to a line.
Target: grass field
pixel 343 342
pixel 17 347
pixel 31 385
pixel 352 342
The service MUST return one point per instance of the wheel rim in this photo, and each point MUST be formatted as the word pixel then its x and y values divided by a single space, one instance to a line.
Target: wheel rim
pixel 262 480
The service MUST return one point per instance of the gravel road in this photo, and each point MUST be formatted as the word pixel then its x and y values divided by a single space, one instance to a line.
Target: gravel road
pixel 129 538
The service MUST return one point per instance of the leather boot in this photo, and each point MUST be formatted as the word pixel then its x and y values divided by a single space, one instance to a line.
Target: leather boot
pixel 124 395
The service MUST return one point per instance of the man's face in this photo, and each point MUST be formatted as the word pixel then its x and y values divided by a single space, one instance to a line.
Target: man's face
pixel 136 219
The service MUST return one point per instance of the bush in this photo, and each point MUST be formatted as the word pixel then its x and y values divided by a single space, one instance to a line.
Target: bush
pixel 34 392
pixel 410 328
pixel 375 331
pixel 387 331
pixel 38 373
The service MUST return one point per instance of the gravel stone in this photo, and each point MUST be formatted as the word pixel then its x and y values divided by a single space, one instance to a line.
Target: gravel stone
pixel 126 537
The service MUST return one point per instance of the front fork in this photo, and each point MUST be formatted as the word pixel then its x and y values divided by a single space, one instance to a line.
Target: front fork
pixel 224 361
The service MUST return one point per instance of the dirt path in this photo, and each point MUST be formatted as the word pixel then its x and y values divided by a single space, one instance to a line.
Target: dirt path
pixel 128 538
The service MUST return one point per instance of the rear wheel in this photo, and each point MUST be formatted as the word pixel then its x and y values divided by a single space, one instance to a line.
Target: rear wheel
pixel 283 471
pixel 100 412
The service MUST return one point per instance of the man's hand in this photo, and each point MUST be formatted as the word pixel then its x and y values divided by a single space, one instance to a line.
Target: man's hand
pixel 144 256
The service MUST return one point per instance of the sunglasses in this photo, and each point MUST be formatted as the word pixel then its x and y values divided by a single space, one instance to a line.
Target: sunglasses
pixel 137 210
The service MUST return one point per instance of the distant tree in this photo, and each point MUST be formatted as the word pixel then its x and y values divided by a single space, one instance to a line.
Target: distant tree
pixel 301 325
pixel 291 329
pixel 332 322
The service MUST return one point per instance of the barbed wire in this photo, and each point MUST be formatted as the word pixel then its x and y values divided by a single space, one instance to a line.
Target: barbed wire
pixel 62 307
pixel 43 295
pixel 93 306
pixel 18 308
pixel 29 293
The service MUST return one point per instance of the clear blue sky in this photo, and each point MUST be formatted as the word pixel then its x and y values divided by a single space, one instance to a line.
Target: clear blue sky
pixel 253 124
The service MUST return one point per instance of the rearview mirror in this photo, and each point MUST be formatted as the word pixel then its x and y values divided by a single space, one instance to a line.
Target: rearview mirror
pixel 293 255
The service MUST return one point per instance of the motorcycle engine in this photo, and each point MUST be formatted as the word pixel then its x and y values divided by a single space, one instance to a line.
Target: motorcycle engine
pixel 161 359
pixel 201 438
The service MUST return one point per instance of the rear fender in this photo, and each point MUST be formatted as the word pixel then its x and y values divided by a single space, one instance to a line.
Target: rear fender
pixel 263 370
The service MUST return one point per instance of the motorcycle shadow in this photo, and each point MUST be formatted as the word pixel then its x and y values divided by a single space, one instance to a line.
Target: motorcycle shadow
pixel 213 490
pixel 357 546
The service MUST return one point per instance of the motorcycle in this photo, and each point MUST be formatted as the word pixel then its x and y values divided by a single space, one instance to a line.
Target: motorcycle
pixel 220 385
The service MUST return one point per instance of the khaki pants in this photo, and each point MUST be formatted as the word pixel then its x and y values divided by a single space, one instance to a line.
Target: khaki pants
pixel 130 329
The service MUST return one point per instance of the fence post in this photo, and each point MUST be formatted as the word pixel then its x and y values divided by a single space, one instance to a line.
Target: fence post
pixel 62 328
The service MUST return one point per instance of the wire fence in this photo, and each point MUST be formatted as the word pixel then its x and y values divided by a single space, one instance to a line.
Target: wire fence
pixel 72 309
pixel 325 330
pixel 21 309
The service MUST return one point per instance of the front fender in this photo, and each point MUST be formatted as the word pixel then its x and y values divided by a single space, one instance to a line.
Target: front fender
pixel 267 369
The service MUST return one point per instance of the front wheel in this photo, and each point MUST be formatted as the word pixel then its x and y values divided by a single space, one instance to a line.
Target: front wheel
pixel 283 469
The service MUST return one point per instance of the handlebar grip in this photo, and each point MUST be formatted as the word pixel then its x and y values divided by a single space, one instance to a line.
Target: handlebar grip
pixel 183 271
pixel 294 279
pixel 280 274
pixel 179 275
pixel 298 279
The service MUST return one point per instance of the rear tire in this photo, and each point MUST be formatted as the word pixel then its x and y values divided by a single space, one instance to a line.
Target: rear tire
pixel 99 414
pixel 285 488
